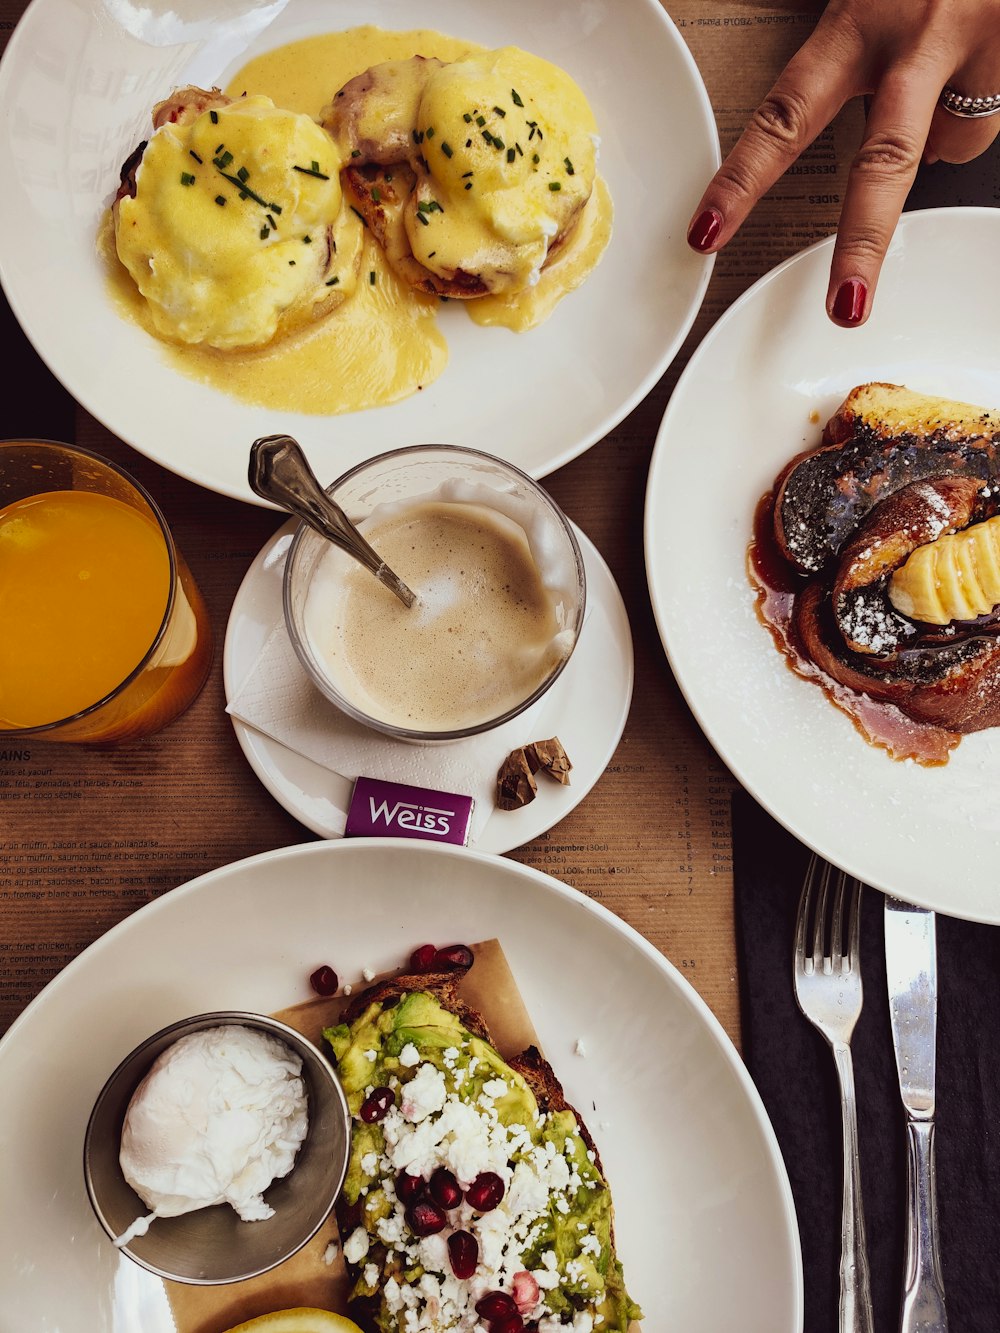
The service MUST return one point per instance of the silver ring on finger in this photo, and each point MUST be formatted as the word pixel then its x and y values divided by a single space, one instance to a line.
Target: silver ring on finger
pixel 969 108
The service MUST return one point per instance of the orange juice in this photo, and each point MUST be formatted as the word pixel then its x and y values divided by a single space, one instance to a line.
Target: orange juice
pixel 84 586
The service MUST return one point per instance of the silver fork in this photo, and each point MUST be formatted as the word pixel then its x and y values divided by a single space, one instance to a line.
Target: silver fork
pixel 828 991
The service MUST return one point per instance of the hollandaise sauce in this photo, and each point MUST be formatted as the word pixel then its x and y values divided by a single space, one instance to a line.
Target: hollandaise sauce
pixel 370 337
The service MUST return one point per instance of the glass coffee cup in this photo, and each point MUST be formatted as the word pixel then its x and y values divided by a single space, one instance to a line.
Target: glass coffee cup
pixel 104 637
pixel 500 595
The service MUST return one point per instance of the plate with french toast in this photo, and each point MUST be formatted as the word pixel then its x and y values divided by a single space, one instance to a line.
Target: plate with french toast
pixel 832 616
pixel 525 1075
pixel 388 224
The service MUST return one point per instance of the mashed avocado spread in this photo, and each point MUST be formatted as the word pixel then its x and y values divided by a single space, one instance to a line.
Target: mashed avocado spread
pixel 432 1102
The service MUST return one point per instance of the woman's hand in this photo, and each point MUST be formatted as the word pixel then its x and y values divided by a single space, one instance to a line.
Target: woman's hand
pixel 904 53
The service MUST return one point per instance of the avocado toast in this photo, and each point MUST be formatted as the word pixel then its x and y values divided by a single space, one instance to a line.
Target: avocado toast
pixel 474 1198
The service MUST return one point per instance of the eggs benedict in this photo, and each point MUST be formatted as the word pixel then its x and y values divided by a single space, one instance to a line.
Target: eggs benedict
pixel 227 220
pixel 472 174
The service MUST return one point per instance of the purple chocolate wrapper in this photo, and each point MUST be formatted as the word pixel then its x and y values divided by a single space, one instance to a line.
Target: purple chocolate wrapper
pixel 396 810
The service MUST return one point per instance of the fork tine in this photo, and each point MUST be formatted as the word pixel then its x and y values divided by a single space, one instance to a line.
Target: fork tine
pixel 802 915
pixel 823 869
pixel 837 923
pixel 854 925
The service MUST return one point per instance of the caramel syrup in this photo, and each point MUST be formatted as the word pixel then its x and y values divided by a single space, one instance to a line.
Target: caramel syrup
pixel 883 725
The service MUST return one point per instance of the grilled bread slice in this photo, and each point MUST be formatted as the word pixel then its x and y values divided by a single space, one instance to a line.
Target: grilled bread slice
pixel 471 1179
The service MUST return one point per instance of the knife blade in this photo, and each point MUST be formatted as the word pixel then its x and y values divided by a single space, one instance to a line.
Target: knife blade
pixel 911 973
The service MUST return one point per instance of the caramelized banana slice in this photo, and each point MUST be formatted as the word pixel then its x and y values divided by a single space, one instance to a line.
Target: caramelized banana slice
pixel 956 577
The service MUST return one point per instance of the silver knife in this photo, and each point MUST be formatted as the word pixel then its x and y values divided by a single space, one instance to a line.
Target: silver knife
pixel 911 971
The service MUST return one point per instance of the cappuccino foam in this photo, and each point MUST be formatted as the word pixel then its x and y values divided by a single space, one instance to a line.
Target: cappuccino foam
pixel 484 633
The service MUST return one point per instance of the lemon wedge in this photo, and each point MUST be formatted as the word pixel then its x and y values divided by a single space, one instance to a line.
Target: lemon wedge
pixel 300 1320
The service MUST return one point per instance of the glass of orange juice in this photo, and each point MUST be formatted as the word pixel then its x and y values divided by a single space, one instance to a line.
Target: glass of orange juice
pixel 104 636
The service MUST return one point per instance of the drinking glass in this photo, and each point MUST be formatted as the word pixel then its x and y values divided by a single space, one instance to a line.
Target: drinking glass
pixel 63 635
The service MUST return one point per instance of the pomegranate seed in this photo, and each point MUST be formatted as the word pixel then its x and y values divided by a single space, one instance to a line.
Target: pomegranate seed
pixel 525 1292
pixel 325 981
pixel 445 1189
pixel 485 1192
pixel 409 1188
pixel 507 1323
pixel 463 1251
pixel 496 1304
pixel 425 1217
pixel 377 1105
pixel 455 957
pixel 422 959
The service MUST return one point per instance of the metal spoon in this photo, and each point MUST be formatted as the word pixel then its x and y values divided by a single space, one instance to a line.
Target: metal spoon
pixel 279 472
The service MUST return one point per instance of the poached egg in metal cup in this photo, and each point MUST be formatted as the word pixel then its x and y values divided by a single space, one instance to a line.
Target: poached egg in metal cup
pixel 213 1244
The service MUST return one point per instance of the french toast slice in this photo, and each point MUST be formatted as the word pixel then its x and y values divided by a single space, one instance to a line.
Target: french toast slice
pixel 882 437
pixel 896 470
pixel 458 1109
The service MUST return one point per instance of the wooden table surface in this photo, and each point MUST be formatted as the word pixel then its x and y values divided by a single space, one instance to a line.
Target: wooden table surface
pixel 89 836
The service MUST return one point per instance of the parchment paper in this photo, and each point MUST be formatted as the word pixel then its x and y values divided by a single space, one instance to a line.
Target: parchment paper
pixel 307 1278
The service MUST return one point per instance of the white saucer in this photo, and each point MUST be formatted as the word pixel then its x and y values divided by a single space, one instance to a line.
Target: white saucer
pixel 587 709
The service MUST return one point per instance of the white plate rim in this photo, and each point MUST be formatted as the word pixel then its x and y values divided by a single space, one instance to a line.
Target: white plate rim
pixel 926 893
pixel 574 899
pixel 234 485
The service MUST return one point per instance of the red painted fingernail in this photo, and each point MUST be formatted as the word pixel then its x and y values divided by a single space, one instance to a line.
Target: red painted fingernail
pixel 704 229
pixel 849 304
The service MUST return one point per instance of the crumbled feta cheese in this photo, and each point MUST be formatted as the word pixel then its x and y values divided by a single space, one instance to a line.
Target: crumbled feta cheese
pixel 371 1274
pixel 409 1056
pixel 369 1163
pixel 578 1047
pixel 356 1245
pixel 368 973
pixel 371 1055
pixel 331 1252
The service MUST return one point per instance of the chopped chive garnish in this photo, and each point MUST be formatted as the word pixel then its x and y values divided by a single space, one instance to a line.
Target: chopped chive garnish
pixel 468 143
pixel 480 121
pixel 487 136
pixel 223 160
pixel 271 222
pixel 215 117
pixel 569 167
pixel 520 151
pixel 515 98
pixel 371 277
pixel 467 118
pixel 429 133
pixel 275 208
pixel 468 185
pixel 315 165
pixel 534 157
pixel 195 156
pixel 376 194
pixel 307 240
pixel 446 148
pixel 500 111
pixel 219 149
pixel 244 189
pixel 313 171
pixel 431 254
pixel 511 155
pixel 422 206
pixel 554 185
pixel 498 144
pixel 291 263
pixel 265 233
pixel 332 282
pixel 243 174
pixel 465 174
pixel 220 200
pixel 355 152
pixel 422 218
pixel 187 178
pixel 359 215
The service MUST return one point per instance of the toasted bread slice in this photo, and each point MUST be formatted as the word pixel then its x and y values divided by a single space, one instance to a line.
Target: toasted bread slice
pixel 458 1106
pixel 881 438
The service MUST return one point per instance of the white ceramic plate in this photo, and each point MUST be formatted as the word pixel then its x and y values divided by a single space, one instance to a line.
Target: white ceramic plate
pixel 587 709
pixel 77 83
pixel 704 1216
pixel 740 411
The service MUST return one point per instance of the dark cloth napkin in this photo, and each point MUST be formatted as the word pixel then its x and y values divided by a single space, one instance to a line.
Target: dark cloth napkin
pixel 793 1069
